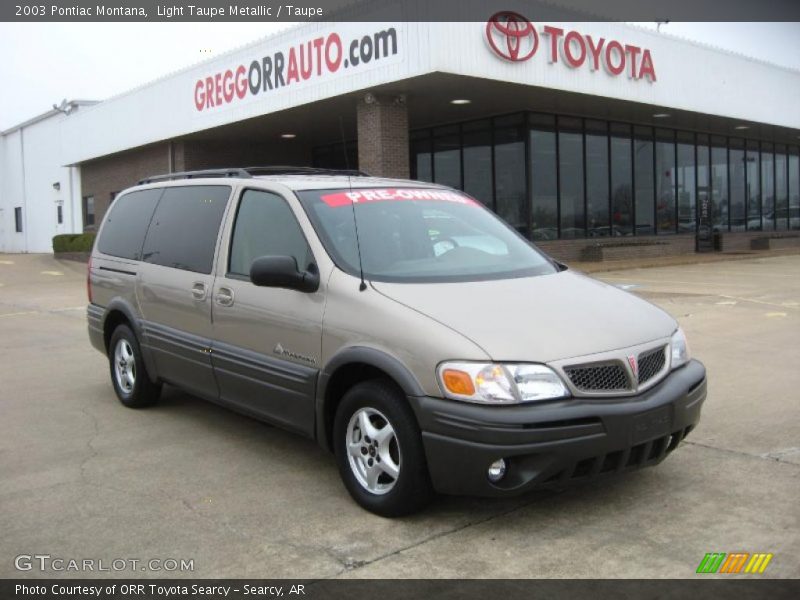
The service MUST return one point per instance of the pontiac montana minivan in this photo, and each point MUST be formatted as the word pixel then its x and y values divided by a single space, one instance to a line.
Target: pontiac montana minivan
pixel 400 324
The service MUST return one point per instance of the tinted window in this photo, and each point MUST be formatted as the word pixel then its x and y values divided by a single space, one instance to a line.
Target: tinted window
pixel 570 146
pixel 719 187
pixel 768 187
pixel 88 210
pixel 126 224
pixel 447 160
pixel 781 191
pixel 18 219
pixel 544 184
pixel 665 183
pixel 183 232
pixel 737 191
pixel 794 191
pixel 478 165
pixel 597 179
pixel 621 181
pixel 643 156
pixel 686 188
pixel 509 173
pixel 265 226
pixel 421 165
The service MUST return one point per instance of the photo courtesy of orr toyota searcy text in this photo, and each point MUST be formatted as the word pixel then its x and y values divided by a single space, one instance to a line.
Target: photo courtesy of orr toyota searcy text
pixel 348 47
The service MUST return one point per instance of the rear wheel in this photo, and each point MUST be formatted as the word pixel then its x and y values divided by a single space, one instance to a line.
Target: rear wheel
pixel 379 450
pixel 128 373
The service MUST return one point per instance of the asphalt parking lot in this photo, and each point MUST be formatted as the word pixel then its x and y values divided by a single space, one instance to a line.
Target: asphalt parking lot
pixel 83 477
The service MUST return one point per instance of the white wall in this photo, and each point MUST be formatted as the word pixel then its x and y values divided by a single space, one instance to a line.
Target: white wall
pixel 30 163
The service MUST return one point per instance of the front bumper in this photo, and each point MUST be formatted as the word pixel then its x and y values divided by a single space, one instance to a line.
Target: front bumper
pixel 557 442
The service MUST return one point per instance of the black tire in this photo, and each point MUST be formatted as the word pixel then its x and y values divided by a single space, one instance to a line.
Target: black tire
pixel 143 392
pixel 411 490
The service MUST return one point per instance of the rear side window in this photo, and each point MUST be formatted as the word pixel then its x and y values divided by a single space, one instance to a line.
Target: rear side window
pixel 126 224
pixel 266 226
pixel 184 229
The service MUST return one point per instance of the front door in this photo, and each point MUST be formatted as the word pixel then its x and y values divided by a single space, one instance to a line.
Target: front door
pixel 267 341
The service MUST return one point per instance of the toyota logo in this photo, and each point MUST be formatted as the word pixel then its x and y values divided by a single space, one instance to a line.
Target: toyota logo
pixel 512 36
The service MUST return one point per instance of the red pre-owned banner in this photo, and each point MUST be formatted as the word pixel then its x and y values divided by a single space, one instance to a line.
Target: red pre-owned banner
pixel 387 194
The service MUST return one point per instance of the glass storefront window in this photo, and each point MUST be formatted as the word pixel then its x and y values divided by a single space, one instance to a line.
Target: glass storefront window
pixel 781 189
pixel 421 157
pixel 665 182
pixel 570 178
pixel 687 197
pixel 544 183
pixel 553 176
pixel 621 180
pixel 643 177
pixel 768 187
pixel 478 162
pixel 794 189
pixel 597 204
pixel 738 166
pixel 708 215
pixel 719 187
pixel 509 172
pixel 447 157
pixel 753 186
pixel 335 156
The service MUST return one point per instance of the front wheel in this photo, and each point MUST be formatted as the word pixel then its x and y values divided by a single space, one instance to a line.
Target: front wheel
pixel 128 374
pixel 379 450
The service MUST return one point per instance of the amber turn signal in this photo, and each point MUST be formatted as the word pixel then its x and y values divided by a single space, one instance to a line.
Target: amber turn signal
pixel 458 382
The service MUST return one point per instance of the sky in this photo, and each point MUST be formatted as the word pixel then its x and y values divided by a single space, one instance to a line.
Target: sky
pixel 43 63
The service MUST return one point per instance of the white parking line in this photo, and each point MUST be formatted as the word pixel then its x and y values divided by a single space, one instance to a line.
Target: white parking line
pixel 41 312
pixel 782 305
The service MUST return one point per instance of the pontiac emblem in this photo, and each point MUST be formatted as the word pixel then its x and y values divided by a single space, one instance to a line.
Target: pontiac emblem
pixel 634 365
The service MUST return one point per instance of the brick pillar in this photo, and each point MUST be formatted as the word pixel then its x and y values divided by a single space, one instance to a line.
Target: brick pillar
pixel 383 136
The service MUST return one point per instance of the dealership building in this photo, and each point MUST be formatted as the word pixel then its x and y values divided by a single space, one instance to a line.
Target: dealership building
pixel 592 139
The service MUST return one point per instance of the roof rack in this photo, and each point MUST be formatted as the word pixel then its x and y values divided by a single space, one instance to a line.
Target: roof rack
pixel 195 175
pixel 289 170
pixel 247 172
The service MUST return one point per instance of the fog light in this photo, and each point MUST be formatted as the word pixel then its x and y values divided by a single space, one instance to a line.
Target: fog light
pixel 497 470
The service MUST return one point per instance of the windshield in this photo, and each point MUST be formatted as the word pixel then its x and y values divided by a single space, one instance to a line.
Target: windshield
pixel 418 235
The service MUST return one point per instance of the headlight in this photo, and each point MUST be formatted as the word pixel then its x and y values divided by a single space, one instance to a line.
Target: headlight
pixel 491 383
pixel 679 349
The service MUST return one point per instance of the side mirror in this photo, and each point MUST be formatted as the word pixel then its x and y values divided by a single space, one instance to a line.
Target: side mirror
pixel 282 272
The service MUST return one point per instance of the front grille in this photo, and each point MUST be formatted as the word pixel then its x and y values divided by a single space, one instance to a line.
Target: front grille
pixel 598 378
pixel 651 363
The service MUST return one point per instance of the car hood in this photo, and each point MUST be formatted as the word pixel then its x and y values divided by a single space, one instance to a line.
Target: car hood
pixel 537 319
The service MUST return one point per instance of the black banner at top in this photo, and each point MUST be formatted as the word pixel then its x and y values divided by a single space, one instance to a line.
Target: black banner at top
pixel 409 10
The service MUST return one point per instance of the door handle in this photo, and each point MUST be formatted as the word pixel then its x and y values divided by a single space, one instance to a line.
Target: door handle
pixel 199 291
pixel 224 296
